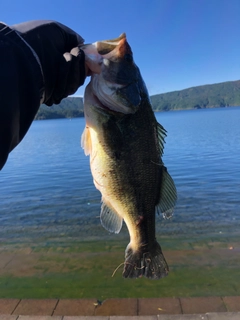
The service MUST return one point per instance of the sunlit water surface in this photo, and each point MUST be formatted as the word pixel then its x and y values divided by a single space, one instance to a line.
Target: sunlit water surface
pixel 47 193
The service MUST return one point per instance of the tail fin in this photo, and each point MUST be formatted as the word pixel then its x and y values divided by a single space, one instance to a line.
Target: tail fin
pixel 148 261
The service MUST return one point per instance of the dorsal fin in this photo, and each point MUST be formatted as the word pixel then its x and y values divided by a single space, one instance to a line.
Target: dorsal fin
pixel 161 134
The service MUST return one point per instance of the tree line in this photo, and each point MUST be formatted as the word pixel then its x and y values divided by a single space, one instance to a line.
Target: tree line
pixel 223 94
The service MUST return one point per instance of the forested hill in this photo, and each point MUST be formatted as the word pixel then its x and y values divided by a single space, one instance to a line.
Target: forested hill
pixel 71 107
pixel 208 96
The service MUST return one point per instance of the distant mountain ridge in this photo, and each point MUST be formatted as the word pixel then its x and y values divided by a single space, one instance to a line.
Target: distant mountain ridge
pixel 222 94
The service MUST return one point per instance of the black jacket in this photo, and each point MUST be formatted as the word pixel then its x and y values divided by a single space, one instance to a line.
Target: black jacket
pixel 36 66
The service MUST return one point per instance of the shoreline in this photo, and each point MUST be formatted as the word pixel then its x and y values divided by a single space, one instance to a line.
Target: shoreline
pixel 59 116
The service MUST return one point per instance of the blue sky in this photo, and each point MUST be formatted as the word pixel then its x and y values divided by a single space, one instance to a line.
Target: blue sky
pixel 177 44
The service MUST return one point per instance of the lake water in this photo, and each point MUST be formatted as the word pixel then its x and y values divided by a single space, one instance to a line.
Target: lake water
pixel 47 193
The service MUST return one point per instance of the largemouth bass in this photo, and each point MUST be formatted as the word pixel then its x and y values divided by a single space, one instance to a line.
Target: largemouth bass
pixel 125 144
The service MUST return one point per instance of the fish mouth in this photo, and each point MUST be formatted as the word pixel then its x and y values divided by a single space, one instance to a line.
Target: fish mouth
pixel 106 46
pixel 115 55
pixel 103 47
pixel 114 78
pixel 96 52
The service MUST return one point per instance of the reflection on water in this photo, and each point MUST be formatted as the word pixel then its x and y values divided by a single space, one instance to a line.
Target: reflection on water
pixel 46 189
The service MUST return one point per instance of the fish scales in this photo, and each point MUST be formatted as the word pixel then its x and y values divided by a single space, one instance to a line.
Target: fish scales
pixel 125 144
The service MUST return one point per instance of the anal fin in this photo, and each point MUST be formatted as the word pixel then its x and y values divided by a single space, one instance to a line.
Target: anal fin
pixel 110 220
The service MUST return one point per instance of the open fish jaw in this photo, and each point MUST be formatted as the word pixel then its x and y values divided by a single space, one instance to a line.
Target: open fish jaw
pixel 115 79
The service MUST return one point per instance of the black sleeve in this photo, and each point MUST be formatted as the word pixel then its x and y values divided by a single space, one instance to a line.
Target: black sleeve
pixel 51 40
pixel 21 80
pixel 71 38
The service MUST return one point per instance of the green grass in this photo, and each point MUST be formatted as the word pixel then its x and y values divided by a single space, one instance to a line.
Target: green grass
pixel 84 270
pixel 94 284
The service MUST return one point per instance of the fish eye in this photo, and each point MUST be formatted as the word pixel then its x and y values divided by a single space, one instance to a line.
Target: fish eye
pixel 128 57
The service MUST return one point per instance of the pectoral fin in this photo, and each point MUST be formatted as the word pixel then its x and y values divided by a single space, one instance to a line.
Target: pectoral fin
pixel 168 195
pixel 86 142
pixel 110 220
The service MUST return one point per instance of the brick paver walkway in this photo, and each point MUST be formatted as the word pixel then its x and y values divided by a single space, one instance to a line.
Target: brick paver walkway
pixel 205 308
pixel 209 316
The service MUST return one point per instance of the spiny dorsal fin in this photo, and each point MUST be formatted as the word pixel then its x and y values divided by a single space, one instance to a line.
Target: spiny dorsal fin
pixel 161 133
pixel 110 220
pixel 86 142
pixel 168 195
